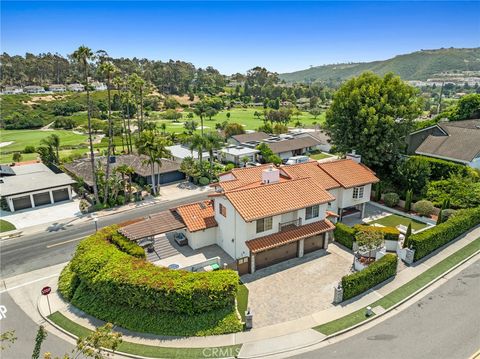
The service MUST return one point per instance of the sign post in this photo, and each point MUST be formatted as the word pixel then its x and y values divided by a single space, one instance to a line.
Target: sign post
pixel 46 291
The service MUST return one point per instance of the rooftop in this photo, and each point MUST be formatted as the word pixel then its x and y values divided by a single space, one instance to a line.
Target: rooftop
pixel 290 144
pixel 198 216
pixel 238 150
pixel 349 173
pixel 181 151
pixel 252 136
pixel 32 177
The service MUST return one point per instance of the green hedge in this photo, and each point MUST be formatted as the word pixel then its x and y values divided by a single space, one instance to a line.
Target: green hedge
pixel 389 233
pixel 377 272
pixel 127 246
pixel 68 283
pixel 344 235
pixel 429 240
pixel 117 278
pixel 441 169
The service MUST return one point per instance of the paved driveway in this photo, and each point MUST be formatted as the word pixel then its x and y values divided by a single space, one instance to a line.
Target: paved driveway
pixel 297 287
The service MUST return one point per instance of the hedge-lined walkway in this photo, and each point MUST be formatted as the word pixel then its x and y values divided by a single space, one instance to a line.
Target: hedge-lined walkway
pixel 355 305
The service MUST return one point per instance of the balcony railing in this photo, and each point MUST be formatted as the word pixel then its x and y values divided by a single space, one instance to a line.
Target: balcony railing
pixel 288 225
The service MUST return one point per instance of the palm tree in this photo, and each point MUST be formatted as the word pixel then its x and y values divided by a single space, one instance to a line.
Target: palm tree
pixel 83 55
pixel 212 142
pixel 162 152
pixel 147 145
pixel 163 127
pixel 197 142
pixel 108 69
pixel 138 86
pixel 126 170
pixel 201 110
pixel 119 84
pixel 53 142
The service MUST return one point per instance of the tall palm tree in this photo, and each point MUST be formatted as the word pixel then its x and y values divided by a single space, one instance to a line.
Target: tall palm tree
pixel 162 152
pixel 197 142
pixel 119 84
pixel 146 145
pixel 201 111
pixel 83 55
pixel 108 69
pixel 212 142
pixel 138 86
pixel 126 170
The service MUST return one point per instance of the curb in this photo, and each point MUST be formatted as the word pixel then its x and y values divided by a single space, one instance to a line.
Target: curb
pixel 418 291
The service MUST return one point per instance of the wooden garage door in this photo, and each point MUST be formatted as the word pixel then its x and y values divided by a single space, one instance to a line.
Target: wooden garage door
pixel 275 255
pixel 22 203
pixel 60 195
pixel 313 243
pixel 41 198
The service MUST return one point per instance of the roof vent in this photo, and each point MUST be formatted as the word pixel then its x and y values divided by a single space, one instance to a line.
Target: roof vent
pixel 202 205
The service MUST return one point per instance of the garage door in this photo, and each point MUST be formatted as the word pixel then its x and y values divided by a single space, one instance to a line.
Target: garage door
pixel 313 243
pixel 22 203
pixel 171 177
pixel 41 199
pixel 275 255
pixel 60 195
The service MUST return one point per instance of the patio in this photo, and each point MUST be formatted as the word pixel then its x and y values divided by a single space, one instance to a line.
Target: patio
pixel 167 253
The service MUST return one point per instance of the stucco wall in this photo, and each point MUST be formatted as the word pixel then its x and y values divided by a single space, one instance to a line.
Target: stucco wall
pixel 203 238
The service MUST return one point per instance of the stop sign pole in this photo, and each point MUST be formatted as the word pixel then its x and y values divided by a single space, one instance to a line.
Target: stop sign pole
pixel 46 291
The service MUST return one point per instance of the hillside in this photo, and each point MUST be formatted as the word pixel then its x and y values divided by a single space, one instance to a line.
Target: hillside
pixel 419 65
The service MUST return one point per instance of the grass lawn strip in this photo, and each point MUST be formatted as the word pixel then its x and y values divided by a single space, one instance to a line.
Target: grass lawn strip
pixel 320 156
pixel 402 292
pixel 6 226
pixel 242 300
pixel 149 350
pixel 394 220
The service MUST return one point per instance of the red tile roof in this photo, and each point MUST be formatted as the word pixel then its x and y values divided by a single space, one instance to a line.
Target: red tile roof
pixel 277 239
pixel 349 173
pixel 198 216
pixel 271 199
pixel 311 170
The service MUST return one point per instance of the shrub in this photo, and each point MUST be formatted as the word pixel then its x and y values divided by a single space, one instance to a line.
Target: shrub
pixel 377 272
pixel 203 181
pixel 441 169
pixel 389 233
pixel 127 246
pixel 447 213
pixel 429 240
pixel 68 282
pixel 29 149
pixel 423 208
pixel 391 199
pixel 458 191
pixel 408 200
pixel 344 235
pixel 117 278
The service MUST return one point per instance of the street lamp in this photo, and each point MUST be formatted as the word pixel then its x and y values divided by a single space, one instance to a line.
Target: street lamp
pixel 95 219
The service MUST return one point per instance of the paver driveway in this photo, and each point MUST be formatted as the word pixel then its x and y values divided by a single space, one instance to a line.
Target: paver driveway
pixel 297 287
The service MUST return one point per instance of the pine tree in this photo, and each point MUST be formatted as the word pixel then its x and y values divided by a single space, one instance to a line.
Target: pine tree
pixel 407 235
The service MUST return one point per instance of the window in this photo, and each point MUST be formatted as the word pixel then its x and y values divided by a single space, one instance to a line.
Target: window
pixel 264 224
pixel 358 192
pixel 312 212
pixel 223 210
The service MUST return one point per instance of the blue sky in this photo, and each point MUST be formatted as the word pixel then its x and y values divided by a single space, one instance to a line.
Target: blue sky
pixel 236 36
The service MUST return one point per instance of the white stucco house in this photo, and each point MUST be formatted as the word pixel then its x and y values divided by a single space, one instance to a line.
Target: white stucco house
pixel 264 215
pixel 236 153
pixel 75 87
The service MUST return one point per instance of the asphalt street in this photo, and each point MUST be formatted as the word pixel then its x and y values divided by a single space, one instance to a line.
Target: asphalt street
pixel 25 331
pixel 445 324
pixel 57 244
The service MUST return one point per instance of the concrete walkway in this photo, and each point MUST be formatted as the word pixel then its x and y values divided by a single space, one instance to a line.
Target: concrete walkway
pixel 24 289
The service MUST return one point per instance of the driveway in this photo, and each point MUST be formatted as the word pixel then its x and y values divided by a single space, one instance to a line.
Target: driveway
pixel 297 287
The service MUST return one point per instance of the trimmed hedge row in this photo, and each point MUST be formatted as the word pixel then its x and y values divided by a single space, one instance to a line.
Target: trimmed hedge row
pixel 127 246
pixel 442 169
pixel 117 278
pixel 344 235
pixel 427 241
pixel 377 272
pixel 389 233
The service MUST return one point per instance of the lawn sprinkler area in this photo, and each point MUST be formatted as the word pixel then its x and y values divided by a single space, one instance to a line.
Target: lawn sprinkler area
pixel 393 220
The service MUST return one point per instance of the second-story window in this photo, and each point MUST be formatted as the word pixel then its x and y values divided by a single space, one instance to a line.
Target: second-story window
pixel 222 209
pixel 264 224
pixel 358 192
pixel 312 212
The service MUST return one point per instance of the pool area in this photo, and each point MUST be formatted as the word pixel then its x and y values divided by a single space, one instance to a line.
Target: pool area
pixel 393 220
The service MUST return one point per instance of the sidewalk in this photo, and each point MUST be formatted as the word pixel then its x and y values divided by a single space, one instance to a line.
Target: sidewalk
pixel 256 342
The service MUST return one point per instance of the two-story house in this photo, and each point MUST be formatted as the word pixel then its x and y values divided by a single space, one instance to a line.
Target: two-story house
pixel 264 215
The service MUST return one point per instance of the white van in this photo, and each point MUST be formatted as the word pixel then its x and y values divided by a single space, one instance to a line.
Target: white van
pixel 297 159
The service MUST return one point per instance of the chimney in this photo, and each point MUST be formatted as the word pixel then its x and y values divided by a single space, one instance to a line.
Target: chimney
pixel 270 175
pixel 354 157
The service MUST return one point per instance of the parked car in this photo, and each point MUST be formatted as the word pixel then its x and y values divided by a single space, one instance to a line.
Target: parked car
pixel 297 159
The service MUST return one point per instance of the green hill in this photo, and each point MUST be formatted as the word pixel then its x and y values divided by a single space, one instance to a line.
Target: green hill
pixel 419 65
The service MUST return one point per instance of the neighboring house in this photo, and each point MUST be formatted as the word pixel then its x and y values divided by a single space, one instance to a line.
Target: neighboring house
pixel 286 146
pixel 168 172
pixel 98 86
pixel 236 154
pixel 33 185
pixel 57 88
pixel 322 138
pixel 12 90
pixel 180 152
pixel 34 89
pixel 457 141
pixel 248 137
pixel 264 215
pixel 76 87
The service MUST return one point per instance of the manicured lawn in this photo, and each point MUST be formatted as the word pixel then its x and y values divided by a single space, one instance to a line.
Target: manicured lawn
pixel 22 138
pixel 320 156
pixel 149 350
pixel 404 291
pixel 6 226
pixel 242 300
pixel 394 220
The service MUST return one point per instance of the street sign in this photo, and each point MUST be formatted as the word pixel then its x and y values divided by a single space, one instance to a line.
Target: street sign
pixel 46 290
